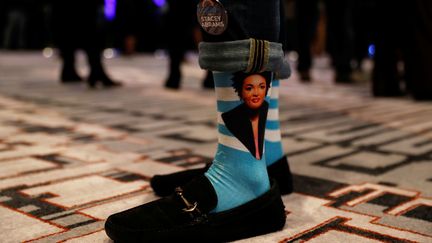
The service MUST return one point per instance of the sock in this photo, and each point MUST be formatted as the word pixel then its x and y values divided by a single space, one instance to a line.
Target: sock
pixel 273 139
pixel 236 173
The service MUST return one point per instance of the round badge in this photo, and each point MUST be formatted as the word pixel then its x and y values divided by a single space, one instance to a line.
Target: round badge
pixel 212 16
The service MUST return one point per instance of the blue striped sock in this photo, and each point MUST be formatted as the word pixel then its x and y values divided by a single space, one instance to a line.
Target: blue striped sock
pixel 273 139
pixel 236 174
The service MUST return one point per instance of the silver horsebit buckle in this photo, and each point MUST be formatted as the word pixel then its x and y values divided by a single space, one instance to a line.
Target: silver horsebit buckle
pixel 192 209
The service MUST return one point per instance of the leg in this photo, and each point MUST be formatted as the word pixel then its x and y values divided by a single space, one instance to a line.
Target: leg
pixel 176 55
pixel 236 169
pixel 68 72
pixel 97 70
pixel 385 76
pixel 208 82
pixel 340 39
pixel 277 165
pixel 307 18
pixel 234 199
pixel 418 61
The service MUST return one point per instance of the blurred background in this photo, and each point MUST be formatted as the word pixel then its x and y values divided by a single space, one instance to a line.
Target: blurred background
pixel 30 24
pixel 385 44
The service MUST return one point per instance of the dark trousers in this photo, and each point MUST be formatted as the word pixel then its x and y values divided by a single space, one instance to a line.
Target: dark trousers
pixel 404 34
pixel 391 46
pixel 82 31
pixel 420 62
pixel 339 37
pixel 94 60
pixel 307 18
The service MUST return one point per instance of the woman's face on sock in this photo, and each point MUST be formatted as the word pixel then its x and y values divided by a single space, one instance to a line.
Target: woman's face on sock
pixel 254 91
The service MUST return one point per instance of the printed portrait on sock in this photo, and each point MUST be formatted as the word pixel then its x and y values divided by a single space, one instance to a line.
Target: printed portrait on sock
pixel 247 121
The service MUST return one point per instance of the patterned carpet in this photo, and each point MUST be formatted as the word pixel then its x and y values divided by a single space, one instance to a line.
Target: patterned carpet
pixel 69 156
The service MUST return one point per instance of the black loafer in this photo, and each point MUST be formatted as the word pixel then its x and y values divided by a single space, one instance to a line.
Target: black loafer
pixel 164 185
pixel 185 216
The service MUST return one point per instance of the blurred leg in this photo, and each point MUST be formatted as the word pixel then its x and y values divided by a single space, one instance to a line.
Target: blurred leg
pixel 307 17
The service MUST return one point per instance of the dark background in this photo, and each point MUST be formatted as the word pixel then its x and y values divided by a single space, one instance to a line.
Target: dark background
pixel 145 20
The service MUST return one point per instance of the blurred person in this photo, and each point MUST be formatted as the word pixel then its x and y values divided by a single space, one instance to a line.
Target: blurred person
pixel 76 26
pixel 392 45
pixel 364 29
pixel 307 14
pixel 234 198
pixel 338 33
pixel 288 23
pixel 46 10
pixel 404 36
pixel 181 28
pixel 340 37
pixel 127 24
pixel 420 61
pixel 16 24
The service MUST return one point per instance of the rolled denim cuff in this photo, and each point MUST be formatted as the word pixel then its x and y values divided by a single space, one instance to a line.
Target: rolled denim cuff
pixel 248 55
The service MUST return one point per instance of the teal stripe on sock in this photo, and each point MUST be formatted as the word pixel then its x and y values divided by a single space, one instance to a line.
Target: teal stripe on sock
pixel 274 104
pixel 273 151
pixel 272 125
pixel 224 106
pixel 268 98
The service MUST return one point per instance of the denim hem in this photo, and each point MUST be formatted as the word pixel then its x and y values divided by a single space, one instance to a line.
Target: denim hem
pixel 234 56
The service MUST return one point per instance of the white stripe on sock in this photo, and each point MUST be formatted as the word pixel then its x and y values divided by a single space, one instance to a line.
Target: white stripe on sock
pixel 273 115
pixel 274 92
pixel 273 135
pixel 232 142
pixel 269 92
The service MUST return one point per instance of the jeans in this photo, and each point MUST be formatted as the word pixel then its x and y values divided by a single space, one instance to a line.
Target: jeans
pixel 259 19
pixel 234 50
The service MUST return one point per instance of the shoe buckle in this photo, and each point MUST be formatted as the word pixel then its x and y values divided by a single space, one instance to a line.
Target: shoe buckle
pixel 189 206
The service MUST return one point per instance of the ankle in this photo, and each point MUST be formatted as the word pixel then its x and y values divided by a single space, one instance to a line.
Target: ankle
pixel 236 184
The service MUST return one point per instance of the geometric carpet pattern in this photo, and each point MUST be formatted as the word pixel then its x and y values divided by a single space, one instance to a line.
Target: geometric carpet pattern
pixel 70 157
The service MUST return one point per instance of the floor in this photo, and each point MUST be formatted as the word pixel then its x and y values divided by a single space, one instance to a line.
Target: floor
pixel 71 156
